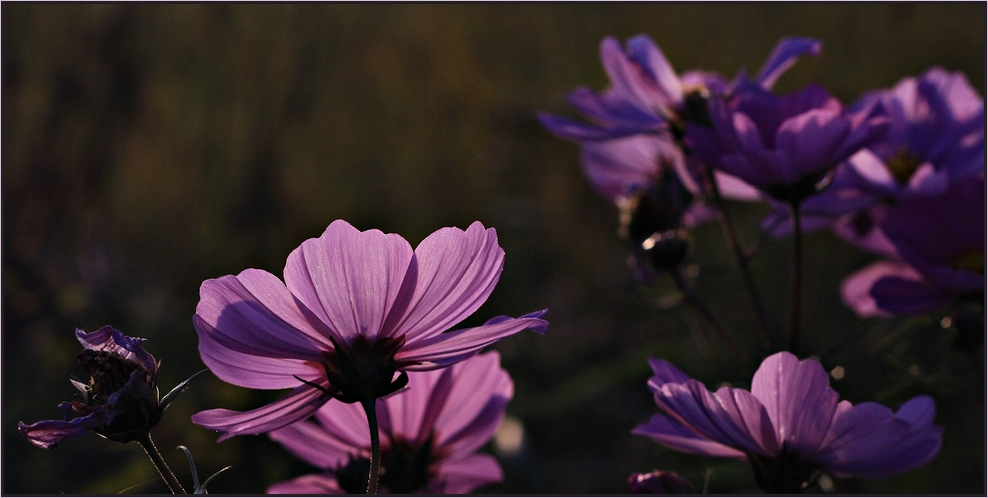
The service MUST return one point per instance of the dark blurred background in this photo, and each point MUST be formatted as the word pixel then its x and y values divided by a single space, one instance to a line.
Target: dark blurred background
pixel 148 147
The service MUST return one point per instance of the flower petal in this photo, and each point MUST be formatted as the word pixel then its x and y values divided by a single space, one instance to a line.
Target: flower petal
pixel 475 405
pixel 783 56
pixel 349 279
pixel 112 340
pixel 452 274
pixel 798 398
pixel 664 430
pixel 311 443
pixel 297 405
pixel 311 484
pixel 451 347
pixel 47 433
pixel 466 475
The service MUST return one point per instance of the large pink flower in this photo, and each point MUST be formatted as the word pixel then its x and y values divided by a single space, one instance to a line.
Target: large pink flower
pixel 354 309
pixel 430 434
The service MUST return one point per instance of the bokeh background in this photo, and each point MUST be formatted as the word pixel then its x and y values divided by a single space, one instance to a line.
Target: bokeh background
pixel 148 147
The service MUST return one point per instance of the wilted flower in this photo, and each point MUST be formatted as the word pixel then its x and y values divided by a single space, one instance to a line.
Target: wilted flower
pixel 120 401
pixel 430 433
pixel 938 255
pixel 355 309
pixel 659 482
pixel 647 96
pixel 786 146
pixel 790 425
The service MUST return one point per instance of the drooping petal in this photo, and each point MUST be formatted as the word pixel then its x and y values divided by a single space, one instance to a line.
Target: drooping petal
pixel 297 405
pixel 453 273
pixel 48 433
pixel 311 443
pixel 349 279
pixel 451 347
pixel 311 484
pixel 783 56
pixel 465 475
pixel 667 432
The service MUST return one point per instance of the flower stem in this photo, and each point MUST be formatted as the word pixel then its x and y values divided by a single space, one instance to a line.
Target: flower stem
pixel 370 407
pixel 706 315
pixel 159 463
pixel 797 277
pixel 727 225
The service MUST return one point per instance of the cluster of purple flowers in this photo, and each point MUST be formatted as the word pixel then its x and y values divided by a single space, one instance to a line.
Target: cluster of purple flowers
pixel 384 396
pixel 899 173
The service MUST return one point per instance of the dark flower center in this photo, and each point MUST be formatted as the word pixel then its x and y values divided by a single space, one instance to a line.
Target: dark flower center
pixel 903 164
pixel 364 372
pixel 404 469
pixel 784 474
pixel 972 260
pixel 136 409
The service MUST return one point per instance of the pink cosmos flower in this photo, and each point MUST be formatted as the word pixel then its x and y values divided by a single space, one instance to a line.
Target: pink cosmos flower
pixel 430 433
pixel 355 309
pixel 790 425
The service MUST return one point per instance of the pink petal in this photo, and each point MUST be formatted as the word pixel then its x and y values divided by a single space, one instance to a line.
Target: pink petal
pixel 665 373
pixel 299 404
pixel 475 406
pixel 798 398
pixel 453 273
pixel 466 475
pixel 412 412
pixel 856 289
pixel 667 432
pixel 810 140
pixel 650 57
pixel 312 484
pixel 347 423
pixel 349 279
pixel 311 443
pixel 451 347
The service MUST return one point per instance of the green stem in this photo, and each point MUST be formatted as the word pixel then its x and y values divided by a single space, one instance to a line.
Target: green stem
pixel 159 463
pixel 727 225
pixel 375 466
pixel 797 277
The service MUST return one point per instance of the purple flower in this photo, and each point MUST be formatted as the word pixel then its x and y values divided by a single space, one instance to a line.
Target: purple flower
pixel 938 255
pixel 659 482
pixel 790 425
pixel 119 403
pixel 786 146
pixel 646 94
pixel 430 433
pixel 355 309
pixel 936 137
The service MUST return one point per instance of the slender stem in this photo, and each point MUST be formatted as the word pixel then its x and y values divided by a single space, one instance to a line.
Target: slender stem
pixel 375 466
pixel 797 277
pixel 707 316
pixel 727 226
pixel 159 463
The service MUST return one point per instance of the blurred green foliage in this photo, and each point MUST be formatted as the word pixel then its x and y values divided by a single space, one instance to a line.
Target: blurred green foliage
pixel 148 147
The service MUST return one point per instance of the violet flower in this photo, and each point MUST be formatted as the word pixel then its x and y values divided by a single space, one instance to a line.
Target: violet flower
pixel 355 309
pixel 120 401
pixel 790 425
pixel 938 255
pixel 647 96
pixel 785 146
pixel 430 435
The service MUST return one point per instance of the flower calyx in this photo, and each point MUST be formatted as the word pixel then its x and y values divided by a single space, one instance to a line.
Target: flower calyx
pixel 366 371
